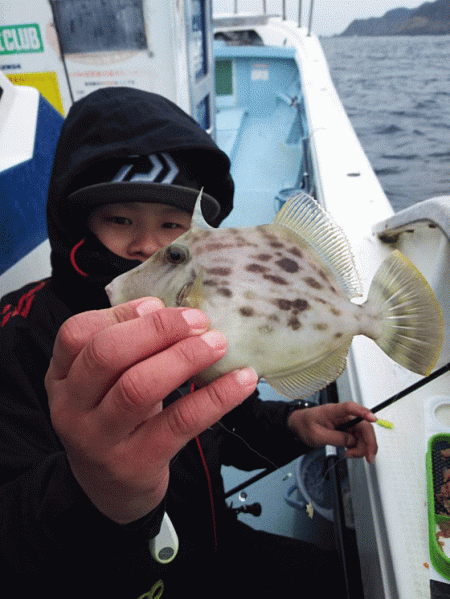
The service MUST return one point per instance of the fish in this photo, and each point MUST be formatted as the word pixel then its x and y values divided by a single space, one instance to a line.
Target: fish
pixel 283 295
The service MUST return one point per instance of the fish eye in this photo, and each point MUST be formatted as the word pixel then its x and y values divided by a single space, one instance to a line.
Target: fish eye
pixel 177 254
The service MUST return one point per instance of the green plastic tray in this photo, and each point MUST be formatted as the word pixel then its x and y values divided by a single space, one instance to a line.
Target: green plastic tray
pixel 436 511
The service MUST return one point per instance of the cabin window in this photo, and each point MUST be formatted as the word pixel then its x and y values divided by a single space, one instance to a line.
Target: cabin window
pixel 96 26
pixel 224 78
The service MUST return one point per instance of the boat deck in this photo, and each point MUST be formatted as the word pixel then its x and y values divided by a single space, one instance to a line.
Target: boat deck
pixel 260 118
pixel 260 124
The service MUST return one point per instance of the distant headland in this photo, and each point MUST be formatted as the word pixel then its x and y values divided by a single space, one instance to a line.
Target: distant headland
pixel 431 18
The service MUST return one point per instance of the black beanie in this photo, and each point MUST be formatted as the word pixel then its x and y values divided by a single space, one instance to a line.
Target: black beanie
pixel 124 144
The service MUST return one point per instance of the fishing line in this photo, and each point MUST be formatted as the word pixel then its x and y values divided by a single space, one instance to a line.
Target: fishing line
pixel 335 463
pixel 274 466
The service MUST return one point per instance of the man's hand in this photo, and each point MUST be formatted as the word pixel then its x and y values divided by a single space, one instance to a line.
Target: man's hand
pixel 110 371
pixel 317 427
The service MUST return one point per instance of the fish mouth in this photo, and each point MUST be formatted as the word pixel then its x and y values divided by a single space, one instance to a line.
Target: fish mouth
pixel 183 293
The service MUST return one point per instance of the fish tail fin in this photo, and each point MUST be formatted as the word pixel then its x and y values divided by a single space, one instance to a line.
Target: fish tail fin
pixel 412 325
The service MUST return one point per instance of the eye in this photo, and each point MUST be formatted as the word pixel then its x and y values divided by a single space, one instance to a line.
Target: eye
pixel 177 254
pixel 172 226
pixel 119 220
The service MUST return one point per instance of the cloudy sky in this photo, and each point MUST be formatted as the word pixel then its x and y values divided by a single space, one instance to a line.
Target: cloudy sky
pixel 330 16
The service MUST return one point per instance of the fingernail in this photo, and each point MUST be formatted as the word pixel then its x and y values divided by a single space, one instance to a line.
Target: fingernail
pixel 246 376
pixel 149 305
pixel 214 339
pixel 196 319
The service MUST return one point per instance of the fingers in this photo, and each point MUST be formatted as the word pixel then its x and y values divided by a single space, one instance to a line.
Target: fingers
pixel 349 409
pixel 360 441
pixel 77 331
pixel 190 415
pixel 317 426
pixel 132 398
pixel 110 350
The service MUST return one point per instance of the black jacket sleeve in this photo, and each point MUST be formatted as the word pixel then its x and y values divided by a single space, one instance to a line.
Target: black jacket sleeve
pixel 46 522
pixel 258 435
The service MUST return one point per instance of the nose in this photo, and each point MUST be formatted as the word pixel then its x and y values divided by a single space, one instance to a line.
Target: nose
pixel 143 246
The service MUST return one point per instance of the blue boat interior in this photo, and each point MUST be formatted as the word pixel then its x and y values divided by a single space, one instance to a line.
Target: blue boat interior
pixel 261 125
pixel 259 114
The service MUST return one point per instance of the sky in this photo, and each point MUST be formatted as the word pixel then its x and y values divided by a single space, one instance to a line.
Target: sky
pixel 329 17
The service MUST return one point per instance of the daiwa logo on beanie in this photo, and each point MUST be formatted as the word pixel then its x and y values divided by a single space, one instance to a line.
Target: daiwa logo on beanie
pixel 159 177
pixel 155 168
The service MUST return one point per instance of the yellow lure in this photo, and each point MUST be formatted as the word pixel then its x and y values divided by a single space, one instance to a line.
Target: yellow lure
pixel 385 423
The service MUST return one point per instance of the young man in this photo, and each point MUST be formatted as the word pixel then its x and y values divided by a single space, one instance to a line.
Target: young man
pixel 99 434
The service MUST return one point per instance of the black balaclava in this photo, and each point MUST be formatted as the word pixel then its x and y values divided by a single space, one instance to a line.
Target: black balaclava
pixel 124 145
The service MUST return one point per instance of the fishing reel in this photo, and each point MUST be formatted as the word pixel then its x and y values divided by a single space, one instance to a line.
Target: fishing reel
pixel 254 509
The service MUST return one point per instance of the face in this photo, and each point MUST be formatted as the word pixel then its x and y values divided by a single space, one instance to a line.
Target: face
pixel 136 230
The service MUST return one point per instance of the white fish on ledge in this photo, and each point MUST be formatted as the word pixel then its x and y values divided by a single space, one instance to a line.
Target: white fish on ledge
pixel 281 295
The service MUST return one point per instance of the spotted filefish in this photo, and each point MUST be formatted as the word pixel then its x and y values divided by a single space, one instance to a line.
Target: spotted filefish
pixel 281 294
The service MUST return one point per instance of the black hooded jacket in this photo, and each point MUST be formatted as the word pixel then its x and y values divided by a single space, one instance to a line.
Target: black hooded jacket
pixel 52 539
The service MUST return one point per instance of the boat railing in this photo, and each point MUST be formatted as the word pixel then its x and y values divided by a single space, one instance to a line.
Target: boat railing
pixel 283 7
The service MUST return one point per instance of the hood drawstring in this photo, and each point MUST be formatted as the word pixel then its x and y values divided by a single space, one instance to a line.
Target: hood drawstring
pixel 73 261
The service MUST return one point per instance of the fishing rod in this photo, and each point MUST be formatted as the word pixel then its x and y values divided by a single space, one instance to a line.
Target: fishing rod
pixel 428 379
pixel 347 425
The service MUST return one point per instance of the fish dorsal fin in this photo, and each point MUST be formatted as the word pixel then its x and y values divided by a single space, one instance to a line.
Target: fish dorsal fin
pixel 303 217
pixel 198 220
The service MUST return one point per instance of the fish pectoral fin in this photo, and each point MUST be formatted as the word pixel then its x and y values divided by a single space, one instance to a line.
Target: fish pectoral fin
pixel 303 219
pixel 301 382
pixel 195 297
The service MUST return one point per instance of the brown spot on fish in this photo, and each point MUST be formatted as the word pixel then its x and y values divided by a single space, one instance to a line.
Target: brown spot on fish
pixel 321 300
pixel 246 311
pixel 211 247
pixel 321 326
pixel 240 238
pixel 276 279
pixel 225 291
pixel 322 275
pixel 296 252
pixel 283 304
pixel 221 271
pixel 313 283
pixel 294 323
pixel 210 282
pixel 338 335
pixel 271 238
pixel 258 268
pixel 300 305
pixel 288 265
pixel 243 244
pixel 264 257
pixel 335 311
pixel 273 317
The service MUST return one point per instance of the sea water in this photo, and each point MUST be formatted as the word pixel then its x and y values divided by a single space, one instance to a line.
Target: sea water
pixel 396 91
